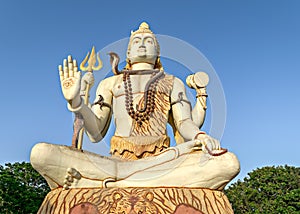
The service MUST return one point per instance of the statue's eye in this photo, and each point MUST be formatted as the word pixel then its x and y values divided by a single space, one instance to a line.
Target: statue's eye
pixel 140 212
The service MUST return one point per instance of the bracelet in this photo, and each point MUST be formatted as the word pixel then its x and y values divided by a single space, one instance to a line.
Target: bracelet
pixel 201 95
pixel 199 134
pixel 78 108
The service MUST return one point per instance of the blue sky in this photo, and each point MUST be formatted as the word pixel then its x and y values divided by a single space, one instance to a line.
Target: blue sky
pixel 253 46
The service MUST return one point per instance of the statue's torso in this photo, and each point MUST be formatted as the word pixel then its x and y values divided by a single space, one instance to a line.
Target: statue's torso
pixel 150 133
pixel 125 125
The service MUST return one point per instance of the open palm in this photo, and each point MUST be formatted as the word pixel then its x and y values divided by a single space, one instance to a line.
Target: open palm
pixel 69 78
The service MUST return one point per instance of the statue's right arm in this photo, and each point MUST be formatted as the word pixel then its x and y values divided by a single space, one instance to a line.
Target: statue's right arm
pixel 96 119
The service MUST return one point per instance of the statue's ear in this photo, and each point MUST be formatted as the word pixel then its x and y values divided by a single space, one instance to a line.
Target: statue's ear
pixel 149 196
pixel 117 196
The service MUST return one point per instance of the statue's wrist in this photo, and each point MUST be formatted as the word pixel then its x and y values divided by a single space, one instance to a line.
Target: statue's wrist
pixel 200 133
pixel 201 92
pixel 76 104
pixel 76 101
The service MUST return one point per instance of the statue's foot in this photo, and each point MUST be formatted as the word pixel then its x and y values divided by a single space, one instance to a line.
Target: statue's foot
pixel 72 177
pixel 67 167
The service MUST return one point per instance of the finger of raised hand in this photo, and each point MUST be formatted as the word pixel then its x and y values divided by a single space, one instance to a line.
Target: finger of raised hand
pixel 75 70
pixel 65 64
pixel 70 62
pixel 70 59
pixel 77 74
pixel 75 63
pixel 66 69
pixel 71 72
pixel 75 67
pixel 61 73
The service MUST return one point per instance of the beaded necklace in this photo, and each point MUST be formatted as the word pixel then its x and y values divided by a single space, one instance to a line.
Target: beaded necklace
pixel 140 115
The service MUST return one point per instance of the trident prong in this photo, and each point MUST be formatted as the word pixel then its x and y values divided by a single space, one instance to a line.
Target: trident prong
pixel 91 60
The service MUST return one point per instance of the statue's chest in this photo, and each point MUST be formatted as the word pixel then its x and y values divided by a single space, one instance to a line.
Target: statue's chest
pixel 135 85
pixel 146 104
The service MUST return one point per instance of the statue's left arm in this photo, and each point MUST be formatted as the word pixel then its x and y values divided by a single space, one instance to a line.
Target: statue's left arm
pixel 181 110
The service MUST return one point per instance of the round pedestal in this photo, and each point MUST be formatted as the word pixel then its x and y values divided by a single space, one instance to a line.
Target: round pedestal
pixel 136 200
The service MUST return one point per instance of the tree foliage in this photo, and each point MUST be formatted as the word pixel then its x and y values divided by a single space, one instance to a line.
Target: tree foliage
pixel 22 189
pixel 267 190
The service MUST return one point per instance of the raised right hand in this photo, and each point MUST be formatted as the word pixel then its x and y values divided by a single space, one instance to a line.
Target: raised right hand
pixel 69 79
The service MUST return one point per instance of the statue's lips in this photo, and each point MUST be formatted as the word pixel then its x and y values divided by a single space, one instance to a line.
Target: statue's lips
pixel 142 50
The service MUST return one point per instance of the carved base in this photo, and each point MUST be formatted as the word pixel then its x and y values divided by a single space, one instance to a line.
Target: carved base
pixel 136 200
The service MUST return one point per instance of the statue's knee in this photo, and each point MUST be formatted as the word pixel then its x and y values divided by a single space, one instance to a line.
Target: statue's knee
pixel 39 154
pixel 232 163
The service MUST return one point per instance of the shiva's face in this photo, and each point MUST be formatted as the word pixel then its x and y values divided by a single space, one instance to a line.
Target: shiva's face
pixel 142 48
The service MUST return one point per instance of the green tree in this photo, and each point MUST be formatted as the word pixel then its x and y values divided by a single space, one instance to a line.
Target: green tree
pixel 267 190
pixel 22 189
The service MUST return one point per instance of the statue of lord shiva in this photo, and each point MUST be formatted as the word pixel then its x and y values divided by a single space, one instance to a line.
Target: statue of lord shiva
pixel 142 99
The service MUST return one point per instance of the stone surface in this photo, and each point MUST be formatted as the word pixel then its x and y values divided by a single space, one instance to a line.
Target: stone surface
pixel 136 200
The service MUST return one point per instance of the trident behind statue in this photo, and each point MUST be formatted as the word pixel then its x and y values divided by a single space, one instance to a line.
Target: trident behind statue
pixel 91 60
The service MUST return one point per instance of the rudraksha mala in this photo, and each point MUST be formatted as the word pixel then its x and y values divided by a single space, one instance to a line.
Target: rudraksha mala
pixel 139 115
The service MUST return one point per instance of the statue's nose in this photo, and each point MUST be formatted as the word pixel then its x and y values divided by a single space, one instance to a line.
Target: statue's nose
pixel 142 46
